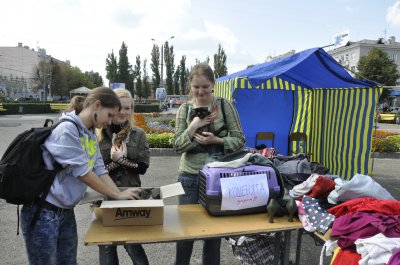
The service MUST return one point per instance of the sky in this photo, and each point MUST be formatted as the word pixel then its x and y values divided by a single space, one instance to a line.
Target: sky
pixel 86 31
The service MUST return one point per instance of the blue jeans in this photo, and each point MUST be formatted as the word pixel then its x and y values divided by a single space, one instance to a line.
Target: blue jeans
pixel 53 239
pixel 211 247
pixel 109 255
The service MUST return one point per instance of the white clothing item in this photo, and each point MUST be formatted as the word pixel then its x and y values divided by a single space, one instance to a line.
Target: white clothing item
pixel 334 195
pixel 304 187
pixel 376 250
pixel 360 186
pixel 329 248
pixel 231 164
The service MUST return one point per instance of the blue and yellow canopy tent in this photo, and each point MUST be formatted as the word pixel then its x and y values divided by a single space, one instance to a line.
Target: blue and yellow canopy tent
pixel 308 92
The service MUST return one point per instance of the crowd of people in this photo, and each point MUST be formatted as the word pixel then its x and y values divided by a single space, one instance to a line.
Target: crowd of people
pixel 101 148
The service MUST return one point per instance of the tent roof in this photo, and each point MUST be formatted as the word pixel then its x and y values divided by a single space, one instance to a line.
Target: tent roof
pixel 312 68
pixel 81 89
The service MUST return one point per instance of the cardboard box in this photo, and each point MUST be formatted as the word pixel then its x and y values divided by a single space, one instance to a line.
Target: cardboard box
pixel 139 212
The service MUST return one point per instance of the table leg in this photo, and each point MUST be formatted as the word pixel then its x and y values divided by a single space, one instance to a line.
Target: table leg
pixel 277 248
pixel 298 245
pixel 286 248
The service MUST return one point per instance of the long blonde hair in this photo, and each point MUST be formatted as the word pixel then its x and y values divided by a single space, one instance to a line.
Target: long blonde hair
pixel 125 128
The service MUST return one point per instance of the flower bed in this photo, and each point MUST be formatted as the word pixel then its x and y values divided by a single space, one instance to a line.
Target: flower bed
pixel 385 142
pixel 159 128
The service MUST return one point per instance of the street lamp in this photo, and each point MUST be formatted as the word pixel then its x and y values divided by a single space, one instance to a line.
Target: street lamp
pixel 162 58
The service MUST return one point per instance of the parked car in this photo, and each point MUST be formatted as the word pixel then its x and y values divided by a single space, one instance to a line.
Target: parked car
pixel 393 115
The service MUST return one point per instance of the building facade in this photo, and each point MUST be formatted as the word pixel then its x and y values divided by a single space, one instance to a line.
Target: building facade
pixel 17 70
pixel 350 54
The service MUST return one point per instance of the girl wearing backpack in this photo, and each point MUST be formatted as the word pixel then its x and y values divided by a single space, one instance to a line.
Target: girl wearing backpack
pixel 53 238
pixel 126 154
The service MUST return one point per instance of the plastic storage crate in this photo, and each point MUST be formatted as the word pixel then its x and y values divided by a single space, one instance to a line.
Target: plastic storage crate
pixel 210 195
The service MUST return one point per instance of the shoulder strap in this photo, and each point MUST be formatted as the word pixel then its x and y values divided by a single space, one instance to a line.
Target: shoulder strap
pixel 223 109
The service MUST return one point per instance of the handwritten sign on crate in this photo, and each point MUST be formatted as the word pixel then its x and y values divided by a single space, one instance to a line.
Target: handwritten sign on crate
pixel 244 192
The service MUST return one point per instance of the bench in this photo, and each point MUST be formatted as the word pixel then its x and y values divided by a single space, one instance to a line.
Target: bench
pixel 59 106
pixel 2 107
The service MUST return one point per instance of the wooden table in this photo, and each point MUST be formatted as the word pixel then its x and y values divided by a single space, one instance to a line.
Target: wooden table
pixel 189 222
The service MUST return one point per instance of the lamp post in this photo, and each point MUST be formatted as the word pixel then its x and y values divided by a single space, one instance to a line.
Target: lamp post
pixel 162 59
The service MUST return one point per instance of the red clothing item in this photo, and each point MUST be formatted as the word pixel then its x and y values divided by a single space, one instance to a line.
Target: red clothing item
pixel 323 186
pixel 346 257
pixel 388 207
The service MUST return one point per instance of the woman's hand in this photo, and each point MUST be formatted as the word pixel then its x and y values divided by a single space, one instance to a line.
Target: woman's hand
pixel 198 123
pixel 129 194
pixel 117 153
pixel 206 138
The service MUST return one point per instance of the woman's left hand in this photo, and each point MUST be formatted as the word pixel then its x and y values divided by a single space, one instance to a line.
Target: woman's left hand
pixel 206 138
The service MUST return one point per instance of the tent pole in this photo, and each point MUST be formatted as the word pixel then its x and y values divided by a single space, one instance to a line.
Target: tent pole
pixel 374 140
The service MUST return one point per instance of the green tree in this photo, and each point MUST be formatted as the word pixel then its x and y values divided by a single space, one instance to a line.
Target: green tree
pixel 111 67
pixel 169 67
pixel 95 79
pixel 124 72
pixel 138 77
pixel 58 81
pixel 154 66
pixel 220 68
pixel 41 74
pixel 378 67
pixel 146 84
pixel 74 77
pixel 176 81
pixel 184 76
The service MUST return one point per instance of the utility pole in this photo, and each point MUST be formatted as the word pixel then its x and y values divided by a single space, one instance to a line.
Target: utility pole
pixel 162 59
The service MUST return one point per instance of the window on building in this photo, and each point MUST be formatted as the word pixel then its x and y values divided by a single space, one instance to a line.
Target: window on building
pixel 393 56
pixel 353 56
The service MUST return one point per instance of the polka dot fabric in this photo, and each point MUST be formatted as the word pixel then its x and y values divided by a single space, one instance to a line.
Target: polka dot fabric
pixel 319 218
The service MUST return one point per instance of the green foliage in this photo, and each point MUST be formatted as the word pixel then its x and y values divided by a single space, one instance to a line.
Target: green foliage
pixel 154 65
pixel 111 67
pixel 147 108
pixel 176 80
pixel 74 77
pixel 26 108
pixel 388 145
pixel 220 68
pixel 184 76
pixel 377 66
pixel 172 122
pixel 169 68
pixel 124 68
pixel 146 85
pixel 137 72
pixel 160 140
pixel 94 78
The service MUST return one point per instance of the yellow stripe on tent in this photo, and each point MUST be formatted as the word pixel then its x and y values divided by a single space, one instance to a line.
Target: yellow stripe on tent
pixel 340 155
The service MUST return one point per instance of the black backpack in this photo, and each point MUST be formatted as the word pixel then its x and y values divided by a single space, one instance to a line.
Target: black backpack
pixel 23 177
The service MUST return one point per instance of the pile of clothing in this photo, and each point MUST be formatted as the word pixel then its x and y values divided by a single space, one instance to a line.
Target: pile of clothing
pixel 362 217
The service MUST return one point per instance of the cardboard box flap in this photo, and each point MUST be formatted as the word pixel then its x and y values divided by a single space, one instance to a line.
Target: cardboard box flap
pixel 131 203
pixel 171 190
